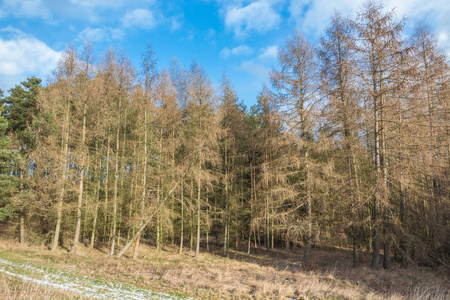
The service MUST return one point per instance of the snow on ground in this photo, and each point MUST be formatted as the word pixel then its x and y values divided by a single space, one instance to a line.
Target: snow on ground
pixel 88 287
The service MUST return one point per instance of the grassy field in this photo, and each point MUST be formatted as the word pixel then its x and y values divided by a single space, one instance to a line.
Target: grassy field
pixel 17 288
pixel 274 275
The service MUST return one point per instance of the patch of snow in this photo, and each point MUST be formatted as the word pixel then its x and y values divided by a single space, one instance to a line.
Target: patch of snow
pixel 90 288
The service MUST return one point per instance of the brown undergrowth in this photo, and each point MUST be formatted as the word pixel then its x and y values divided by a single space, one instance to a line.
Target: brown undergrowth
pixel 12 288
pixel 274 275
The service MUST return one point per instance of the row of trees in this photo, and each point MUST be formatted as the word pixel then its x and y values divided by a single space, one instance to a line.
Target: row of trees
pixel 351 139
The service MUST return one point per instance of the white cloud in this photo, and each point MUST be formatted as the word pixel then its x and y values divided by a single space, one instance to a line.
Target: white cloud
pixel 269 52
pixel 443 37
pixel 259 16
pixel 189 36
pixel 100 34
pixel 109 3
pixel 142 18
pixel 240 50
pixel 26 9
pixel 434 12
pixel 314 16
pixel 94 11
pixel 93 34
pixel 175 23
pixel 97 2
pixel 22 56
pixel 115 34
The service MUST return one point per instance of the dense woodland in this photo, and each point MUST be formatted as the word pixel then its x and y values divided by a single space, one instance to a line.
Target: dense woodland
pixel 348 146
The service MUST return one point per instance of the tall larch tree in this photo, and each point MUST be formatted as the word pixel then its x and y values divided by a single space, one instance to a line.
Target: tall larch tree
pixel 430 104
pixel 145 102
pixel 83 111
pixel 296 86
pixel 54 130
pixel 378 50
pixel 202 130
pixel 340 86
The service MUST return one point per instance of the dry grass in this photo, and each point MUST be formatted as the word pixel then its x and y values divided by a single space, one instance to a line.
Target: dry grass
pixel 12 288
pixel 276 275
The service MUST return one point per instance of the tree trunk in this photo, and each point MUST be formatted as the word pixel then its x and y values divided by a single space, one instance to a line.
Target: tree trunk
pixel 199 184
pixel 159 195
pixel 94 223
pixel 116 181
pixel 387 253
pixel 97 202
pixel 182 217
pixel 207 228
pixel 58 220
pixel 86 205
pixel 22 218
pixel 108 149
pixel 386 196
pixel 144 181
pixel 225 240
pixel 191 233
pixel 356 238
pixel 377 150
pixel 250 225
pixel 376 234
pixel 266 204
pixel 307 253
pixel 63 166
pixel 226 229
pixel 122 176
pixel 80 190
pixel 403 221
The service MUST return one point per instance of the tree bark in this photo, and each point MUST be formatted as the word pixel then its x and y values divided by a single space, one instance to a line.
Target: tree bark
pixel 63 167
pixel 22 218
pixel 307 253
pixel 108 150
pixel 116 180
pixel 182 217
pixel 403 220
pixel 144 181
pixel 94 222
pixel 226 229
pixel 80 191
pixel 199 186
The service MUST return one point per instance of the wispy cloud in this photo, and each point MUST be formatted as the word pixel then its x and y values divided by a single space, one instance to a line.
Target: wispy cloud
pixel 141 18
pixel 25 9
pixel 110 3
pixel 23 55
pixel 313 16
pixel 100 34
pixel 269 52
pixel 189 36
pixel 175 23
pixel 257 17
pixel 240 50
pixel 58 11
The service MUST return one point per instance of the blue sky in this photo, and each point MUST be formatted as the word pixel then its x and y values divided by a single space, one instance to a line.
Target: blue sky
pixel 236 36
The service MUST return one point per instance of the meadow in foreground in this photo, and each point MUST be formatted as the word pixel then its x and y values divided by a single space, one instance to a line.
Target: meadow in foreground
pixel 275 275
